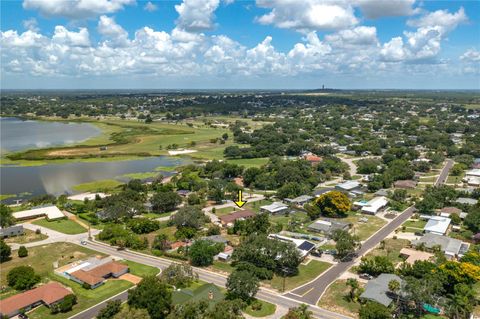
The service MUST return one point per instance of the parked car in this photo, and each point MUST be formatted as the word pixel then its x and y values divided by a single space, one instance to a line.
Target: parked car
pixel 22 316
pixel 366 276
pixel 83 242
pixel 317 253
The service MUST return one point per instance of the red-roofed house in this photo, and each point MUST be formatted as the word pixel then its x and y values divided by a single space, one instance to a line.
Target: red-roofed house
pixel 48 295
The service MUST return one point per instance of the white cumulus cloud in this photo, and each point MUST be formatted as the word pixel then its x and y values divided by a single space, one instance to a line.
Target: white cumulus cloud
pixel 75 9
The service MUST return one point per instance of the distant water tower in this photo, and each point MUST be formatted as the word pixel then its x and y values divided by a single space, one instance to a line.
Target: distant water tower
pixel 323 86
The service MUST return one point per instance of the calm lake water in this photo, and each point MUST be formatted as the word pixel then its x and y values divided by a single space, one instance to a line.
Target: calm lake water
pixel 16 134
pixel 28 181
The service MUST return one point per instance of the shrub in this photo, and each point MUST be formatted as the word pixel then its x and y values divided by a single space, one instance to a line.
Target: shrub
pixel 22 252
pixel 38 231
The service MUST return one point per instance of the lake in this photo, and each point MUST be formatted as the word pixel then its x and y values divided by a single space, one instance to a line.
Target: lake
pixel 17 134
pixel 28 181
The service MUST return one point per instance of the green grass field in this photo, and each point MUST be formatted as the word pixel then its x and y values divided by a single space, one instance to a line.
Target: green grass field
pixel 97 186
pixel 361 229
pixel 413 226
pixel 65 226
pixel 266 309
pixel 336 299
pixel 391 250
pixel 140 269
pixel 306 273
pixel 222 266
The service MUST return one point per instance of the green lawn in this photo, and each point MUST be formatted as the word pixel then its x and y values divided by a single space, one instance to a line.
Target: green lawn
pixel 97 186
pixel 413 226
pixel 249 162
pixel 391 250
pixel 140 270
pixel 222 266
pixel 364 230
pixel 455 179
pixel 336 299
pixel 65 226
pixel 141 175
pixel 306 273
pixel 266 309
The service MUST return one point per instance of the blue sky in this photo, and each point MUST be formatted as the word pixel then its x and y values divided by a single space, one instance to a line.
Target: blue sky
pixel 240 44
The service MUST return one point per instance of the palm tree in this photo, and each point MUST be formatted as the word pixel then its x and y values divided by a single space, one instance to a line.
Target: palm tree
pixel 353 283
pixel 394 287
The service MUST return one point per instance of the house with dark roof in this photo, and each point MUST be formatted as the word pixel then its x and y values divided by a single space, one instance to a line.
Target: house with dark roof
pixel 48 295
pixel 451 247
pixel 304 247
pixel 230 219
pixel 377 289
pixel 405 184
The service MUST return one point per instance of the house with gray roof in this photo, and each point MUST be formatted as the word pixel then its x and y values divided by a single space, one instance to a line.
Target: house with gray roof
pixel 377 289
pixel 15 230
pixel 327 226
pixel 451 247
pixel 300 200
pixel 466 201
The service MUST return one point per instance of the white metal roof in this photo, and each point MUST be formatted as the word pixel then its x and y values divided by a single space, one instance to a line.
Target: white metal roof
pixel 375 204
pixel 51 212
pixel 437 225
pixel 274 207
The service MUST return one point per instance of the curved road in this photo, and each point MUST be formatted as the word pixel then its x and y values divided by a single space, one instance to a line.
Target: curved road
pixel 205 275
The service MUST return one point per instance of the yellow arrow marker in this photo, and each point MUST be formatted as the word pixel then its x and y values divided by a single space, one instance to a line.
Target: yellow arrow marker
pixel 240 202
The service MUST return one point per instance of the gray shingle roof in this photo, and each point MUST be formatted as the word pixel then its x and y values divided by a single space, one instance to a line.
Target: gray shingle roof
pixel 377 289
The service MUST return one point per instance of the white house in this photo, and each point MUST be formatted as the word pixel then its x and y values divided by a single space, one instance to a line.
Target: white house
pixel 373 206
pixel 50 211
pixel 275 208
pixel 437 225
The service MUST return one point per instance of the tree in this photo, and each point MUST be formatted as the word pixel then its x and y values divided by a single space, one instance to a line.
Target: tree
pixel 472 220
pixel 224 309
pixel 143 225
pixel 179 275
pixel 300 312
pixel 22 278
pixel 241 284
pixel 374 310
pixel 151 294
pixel 188 216
pixel 460 305
pixel 112 308
pixel 132 313
pixel 22 252
pixel 353 284
pixel 202 251
pixel 161 242
pixel 166 201
pixel 5 251
pixel 333 204
pixel 394 287
pixel 6 218
pixel 345 244
pixel 376 265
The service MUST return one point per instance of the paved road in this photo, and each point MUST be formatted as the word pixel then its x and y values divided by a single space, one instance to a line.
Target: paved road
pixel 311 292
pixel 205 275
pixel 442 178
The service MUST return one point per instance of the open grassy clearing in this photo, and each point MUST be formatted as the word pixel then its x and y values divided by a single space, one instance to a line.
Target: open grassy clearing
pixel 7 196
pixel 28 236
pixel 140 175
pixel 65 226
pixel 250 162
pixel 391 250
pixel 306 273
pixel 361 229
pixel 336 299
pixel 222 266
pixel 413 226
pixel 455 179
pixel 266 309
pixel 140 269
pixel 97 186
pixel 41 258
